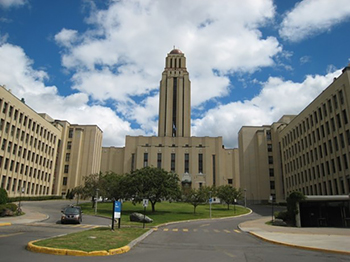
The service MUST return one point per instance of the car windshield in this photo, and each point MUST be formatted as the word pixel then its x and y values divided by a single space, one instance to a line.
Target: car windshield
pixel 71 210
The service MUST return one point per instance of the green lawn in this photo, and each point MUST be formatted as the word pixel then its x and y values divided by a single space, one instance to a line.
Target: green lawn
pixel 166 212
pixel 105 239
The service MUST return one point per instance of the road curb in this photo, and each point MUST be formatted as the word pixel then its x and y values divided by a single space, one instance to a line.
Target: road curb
pixel 69 252
pixel 5 224
pixel 298 246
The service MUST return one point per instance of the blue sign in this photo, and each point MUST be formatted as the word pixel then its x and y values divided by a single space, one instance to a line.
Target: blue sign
pixel 117 209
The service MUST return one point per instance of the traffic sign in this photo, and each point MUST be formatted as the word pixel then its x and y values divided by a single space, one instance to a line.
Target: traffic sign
pixel 145 202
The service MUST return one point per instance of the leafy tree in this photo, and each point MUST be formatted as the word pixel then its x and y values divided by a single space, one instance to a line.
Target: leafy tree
pixel 292 200
pixel 114 186
pixel 196 197
pixel 3 196
pixel 91 184
pixel 228 194
pixel 154 184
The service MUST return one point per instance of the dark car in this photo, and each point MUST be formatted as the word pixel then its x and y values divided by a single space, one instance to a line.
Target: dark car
pixel 72 214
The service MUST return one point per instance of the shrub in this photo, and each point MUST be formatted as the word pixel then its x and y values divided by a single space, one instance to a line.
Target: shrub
pixel 282 215
pixel 292 200
pixel 3 196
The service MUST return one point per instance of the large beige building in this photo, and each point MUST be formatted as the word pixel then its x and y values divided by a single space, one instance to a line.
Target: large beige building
pixel 199 161
pixel 315 145
pixel 42 156
pixel 308 152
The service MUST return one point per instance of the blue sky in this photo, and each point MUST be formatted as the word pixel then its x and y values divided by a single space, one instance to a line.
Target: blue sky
pixel 100 62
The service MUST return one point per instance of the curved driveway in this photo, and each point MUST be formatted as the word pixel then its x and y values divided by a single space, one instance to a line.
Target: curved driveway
pixel 205 240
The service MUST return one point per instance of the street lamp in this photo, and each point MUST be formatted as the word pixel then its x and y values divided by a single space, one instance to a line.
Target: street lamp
pixel 96 201
pixel 19 203
pixel 210 204
pixel 271 198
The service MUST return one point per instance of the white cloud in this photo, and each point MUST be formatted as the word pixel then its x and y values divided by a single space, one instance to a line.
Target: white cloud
pixel 12 3
pixel 310 17
pixel 17 73
pixel 124 53
pixel 277 98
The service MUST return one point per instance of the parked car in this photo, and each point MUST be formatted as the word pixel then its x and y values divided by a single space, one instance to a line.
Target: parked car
pixel 72 214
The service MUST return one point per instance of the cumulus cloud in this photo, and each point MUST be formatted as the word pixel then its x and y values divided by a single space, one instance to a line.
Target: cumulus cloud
pixel 12 3
pixel 112 49
pixel 17 73
pixel 310 17
pixel 275 100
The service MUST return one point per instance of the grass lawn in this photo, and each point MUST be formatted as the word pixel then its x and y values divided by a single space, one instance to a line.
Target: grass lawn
pixel 104 238
pixel 94 240
pixel 165 211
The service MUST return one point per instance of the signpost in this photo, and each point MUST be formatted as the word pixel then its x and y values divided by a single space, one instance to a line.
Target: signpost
pixel 117 209
pixel 145 204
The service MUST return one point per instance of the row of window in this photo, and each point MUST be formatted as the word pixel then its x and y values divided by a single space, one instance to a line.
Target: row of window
pixel 25 121
pixel 24 187
pixel 172 162
pixel 329 187
pixel 27 154
pixel 32 141
pixel 328 167
pixel 320 114
pixel 20 168
pixel 336 142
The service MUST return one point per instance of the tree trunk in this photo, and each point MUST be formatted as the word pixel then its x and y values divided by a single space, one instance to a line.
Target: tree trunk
pixel 228 206
pixel 153 206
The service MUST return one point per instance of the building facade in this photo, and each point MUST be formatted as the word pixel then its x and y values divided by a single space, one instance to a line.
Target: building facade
pixel 315 145
pixel 79 155
pixel 29 143
pixel 42 156
pixel 199 161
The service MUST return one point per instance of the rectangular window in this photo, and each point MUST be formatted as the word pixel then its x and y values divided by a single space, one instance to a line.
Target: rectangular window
pixel 270 160
pixel 69 144
pixel 338 121
pixel 214 170
pixel 271 172
pixel 132 162
pixel 269 147
pixel 145 159
pixel 200 163
pixel 159 160
pixel 172 164
pixel 272 185
pixel 346 165
pixel 335 101
pixel 67 156
pixel 66 168
pixel 65 181
pixel 187 163
pixel 345 117
pixel 70 134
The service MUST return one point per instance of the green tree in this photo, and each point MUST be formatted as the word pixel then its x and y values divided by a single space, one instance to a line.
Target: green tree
pixel 114 186
pixel 228 194
pixel 154 184
pixel 292 201
pixel 196 197
pixel 91 184
pixel 3 196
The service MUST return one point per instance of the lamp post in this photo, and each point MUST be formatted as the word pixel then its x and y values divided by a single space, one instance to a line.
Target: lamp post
pixel 210 204
pixel 271 198
pixel 96 200
pixel 19 203
pixel 234 206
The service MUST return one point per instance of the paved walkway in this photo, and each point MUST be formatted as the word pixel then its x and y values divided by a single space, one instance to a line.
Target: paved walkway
pixel 323 239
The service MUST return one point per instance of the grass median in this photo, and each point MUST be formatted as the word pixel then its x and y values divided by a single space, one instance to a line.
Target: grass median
pixel 105 239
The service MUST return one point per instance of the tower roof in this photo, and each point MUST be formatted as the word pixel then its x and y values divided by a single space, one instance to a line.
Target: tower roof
pixel 175 51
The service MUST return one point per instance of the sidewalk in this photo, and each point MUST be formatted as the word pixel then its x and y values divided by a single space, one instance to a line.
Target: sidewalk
pixel 30 216
pixel 322 239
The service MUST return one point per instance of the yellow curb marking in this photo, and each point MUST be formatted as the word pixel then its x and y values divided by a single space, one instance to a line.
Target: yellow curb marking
pixel 237 231
pixel 175 230
pixel 5 224
pixel 185 230
pixel 227 231
pixel 166 229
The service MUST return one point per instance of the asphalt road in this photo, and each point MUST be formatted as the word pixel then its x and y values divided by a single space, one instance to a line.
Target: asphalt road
pixel 206 240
